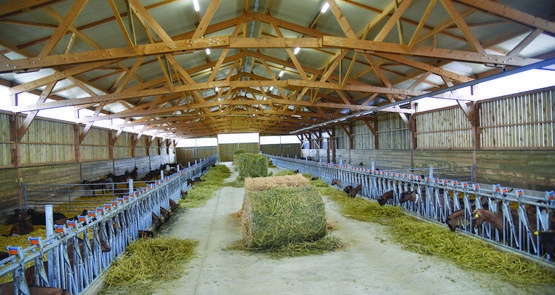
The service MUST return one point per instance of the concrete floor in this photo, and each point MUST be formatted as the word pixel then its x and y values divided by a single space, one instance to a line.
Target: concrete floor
pixel 370 264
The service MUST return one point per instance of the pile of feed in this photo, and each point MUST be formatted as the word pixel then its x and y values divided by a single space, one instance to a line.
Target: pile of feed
pixel 266 183
pixel 433 239
pixel 252 165
pixel 202 191
pixel 146 260
pixel 283 215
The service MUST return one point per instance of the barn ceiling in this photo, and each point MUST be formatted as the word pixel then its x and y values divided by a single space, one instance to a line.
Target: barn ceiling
pixel 273 66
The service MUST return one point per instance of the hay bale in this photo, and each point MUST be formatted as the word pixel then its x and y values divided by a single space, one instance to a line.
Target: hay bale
pixel 252 165
pixel 235 154
pixel 282 216
pixel 266 183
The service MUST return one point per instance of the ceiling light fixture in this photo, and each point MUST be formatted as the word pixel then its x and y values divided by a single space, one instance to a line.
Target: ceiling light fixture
pixel 217 89
pixel 281 73
pixel 207 51
pixel 271 88
pixel 324 8
pixel 297 50
pixel 197 7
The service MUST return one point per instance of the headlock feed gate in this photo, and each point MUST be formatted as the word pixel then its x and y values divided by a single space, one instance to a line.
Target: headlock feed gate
pixel 112 227
pixel 520 227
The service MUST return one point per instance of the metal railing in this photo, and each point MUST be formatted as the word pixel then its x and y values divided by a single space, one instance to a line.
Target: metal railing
pixel 60 263
pixel 442 197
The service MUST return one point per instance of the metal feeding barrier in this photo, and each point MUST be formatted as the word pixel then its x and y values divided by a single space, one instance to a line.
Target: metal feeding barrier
pixel 73 256
pixel 439 198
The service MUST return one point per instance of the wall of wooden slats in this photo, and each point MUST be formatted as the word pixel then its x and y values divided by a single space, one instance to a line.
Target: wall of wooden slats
pixel 226 150
pixel 443 129
pixel 189 155
pixel 393 133
pixel 522 121
pixel 291 149
pixel 362 137
pixel 10 188
pixel 5 143
pixel 520 169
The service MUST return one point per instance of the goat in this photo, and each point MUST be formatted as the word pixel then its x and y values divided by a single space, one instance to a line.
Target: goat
pixel 547 240
pixel 39 218
pixel 183 194
pixel 134 174
pixel 98 184
pixel 454 218
pixel 355 191
pixel 14 217
pixel 385 197
pixel 348 189
pixel 146 234
pixel 336 182
pixel 8 288
pixel 156 221
pixel 296 171
pixel 165 214
pixel 21 228
pixel 30 275
pixel 173 205
pixel 119 178
pixel 315 178
pixel 415 198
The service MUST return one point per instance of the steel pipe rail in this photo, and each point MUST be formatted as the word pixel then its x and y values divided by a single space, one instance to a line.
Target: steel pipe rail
pixel 523 215
pixel 116 224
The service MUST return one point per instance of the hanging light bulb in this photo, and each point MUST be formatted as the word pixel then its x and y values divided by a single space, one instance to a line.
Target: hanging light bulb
pixel 271 88
pixel 325 7
pixel 195 4
pixel 281 73
pixel 207 51
pixel 297 50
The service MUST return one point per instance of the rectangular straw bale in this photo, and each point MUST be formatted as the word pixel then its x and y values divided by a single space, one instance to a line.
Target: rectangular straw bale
pixel 283 215
pixel 252 165
pixel 266 183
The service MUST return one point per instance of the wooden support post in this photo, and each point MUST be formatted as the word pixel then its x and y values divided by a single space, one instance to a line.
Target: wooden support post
pixel 134 140
pixel 15 153
pixel 148 143
pixel 158 142
pixel 77 142
pixel 333 151
pixel 111 142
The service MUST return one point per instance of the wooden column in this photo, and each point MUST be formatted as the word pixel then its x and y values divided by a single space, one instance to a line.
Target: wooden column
pixel 15 153
pixel 148 143
pixel 134 140
pixel 77 142
pixel 158 142
pixel 111 142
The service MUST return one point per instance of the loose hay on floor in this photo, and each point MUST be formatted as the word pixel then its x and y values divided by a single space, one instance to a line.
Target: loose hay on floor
pixel 202 191
pixel 323 245
pixel 266 183
pixel 281 216
pixel 433 239
pixel 149 259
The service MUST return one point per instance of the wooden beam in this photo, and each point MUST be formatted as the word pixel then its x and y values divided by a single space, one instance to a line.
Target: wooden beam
pixel 199 32
pixel 63 27
pixel 343 23
pixel 463 26
pixel 13 6
pixel 514 15
pixel 392 21
pixel 140 10
pixel 421 24
pixel 30 117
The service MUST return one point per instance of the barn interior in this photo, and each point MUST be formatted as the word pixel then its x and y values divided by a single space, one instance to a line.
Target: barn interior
pixel 92 88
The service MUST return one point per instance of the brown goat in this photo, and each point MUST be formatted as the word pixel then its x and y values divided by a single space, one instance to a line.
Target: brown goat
pixel 21 228
pixel 336 182
pixel 156 221
pixel 173 205
pixel 355 191
pixel 165 214
pixel 39 218
pixel 385 197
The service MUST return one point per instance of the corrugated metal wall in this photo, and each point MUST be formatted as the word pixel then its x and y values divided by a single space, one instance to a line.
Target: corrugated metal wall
pixel 448 128
pixel 523 121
